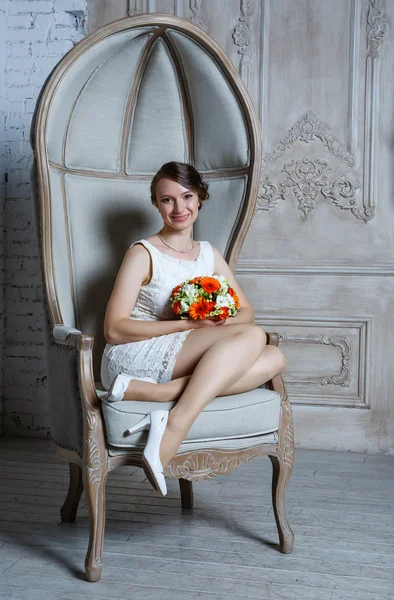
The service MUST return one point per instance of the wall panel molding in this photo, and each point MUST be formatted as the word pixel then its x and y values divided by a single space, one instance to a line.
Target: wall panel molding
pixel 349 337
pixel 260 266
pixel 342 377
pixel 376 29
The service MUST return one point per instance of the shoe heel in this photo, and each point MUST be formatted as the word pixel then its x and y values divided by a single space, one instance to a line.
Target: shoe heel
pixel 143 424
pixel 151 457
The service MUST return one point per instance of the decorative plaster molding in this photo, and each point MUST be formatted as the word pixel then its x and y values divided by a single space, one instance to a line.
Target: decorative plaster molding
pixel 342 192
pixel 242 36
pixel 196 10
pixel 307 129
pixel 342 378
pixel 377 27
pixel 307 178
pixel 268 196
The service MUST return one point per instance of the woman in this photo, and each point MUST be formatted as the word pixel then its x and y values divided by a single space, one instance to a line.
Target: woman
pixel 152 356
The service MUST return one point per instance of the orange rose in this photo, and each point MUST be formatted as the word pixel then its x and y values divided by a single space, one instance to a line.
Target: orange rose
pixel 210 284
pixel 200 309
pixel 177 307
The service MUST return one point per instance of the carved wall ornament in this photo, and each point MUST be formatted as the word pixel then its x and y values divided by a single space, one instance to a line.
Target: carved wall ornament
pixel 268 196
pixel 307 129
pixel 307 179
pixel 196 10
pixel 242 36
pixel 377 27
pixel 342 377
pixel 342 192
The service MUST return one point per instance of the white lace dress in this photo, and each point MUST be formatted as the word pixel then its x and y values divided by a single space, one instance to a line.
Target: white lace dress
pixel 156 356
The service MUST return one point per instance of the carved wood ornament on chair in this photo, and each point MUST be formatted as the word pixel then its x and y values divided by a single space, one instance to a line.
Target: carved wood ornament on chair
pixel 131 96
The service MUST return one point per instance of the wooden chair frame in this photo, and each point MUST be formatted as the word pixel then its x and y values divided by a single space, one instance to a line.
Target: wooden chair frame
pixel 89 470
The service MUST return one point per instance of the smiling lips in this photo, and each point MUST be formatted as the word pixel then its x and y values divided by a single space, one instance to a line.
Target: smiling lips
pixel 180 218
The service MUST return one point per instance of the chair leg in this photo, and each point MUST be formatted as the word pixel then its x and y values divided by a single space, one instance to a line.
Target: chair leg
pixel 186 488
pixel 95 497
pixel 280 478
pixel 68 512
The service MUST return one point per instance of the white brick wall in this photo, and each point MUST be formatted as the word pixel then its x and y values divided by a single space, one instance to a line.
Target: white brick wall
pixel 34 35
pixel 3 29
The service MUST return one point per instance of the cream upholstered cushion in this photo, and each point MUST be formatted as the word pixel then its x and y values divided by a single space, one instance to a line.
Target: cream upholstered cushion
pixel 243 415
pixel 206 448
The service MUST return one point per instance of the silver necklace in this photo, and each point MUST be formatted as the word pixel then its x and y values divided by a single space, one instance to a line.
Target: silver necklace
pixel 175 249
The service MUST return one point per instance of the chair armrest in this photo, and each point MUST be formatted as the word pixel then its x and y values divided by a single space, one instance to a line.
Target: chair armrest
pixel 61 332
pixel 272 338
pixel 94 446
pixel 67 336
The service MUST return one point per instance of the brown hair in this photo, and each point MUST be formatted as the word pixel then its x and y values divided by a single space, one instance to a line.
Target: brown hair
pixel 184 174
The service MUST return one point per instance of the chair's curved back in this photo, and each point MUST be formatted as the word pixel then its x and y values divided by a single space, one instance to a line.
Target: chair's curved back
pixel 131 96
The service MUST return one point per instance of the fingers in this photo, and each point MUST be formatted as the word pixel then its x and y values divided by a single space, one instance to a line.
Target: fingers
pixel 210 322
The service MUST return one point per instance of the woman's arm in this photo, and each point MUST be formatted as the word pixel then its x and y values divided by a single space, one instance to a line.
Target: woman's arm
pixel 246 312
pixel 135 271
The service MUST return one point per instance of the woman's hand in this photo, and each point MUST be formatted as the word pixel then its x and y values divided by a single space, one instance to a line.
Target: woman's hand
pixel 209 322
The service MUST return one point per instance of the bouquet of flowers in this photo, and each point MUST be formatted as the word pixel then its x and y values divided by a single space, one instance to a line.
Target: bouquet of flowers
pixel 204 297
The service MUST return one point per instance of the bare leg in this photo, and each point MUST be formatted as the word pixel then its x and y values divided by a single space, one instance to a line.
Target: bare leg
pixel 220 366
pixel 271 362
pixel 196 344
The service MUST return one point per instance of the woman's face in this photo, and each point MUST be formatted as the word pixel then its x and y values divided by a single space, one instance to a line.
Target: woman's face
pixel 177 205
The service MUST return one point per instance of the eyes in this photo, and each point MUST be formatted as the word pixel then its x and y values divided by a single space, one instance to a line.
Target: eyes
pixel 186 197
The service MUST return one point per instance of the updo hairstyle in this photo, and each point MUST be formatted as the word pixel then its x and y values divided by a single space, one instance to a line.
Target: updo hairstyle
pixel 184 174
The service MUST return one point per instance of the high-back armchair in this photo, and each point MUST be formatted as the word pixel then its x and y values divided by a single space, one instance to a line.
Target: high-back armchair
pixel 133 95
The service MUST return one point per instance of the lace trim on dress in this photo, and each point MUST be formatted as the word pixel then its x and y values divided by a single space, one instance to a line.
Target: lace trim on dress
pixel 170 355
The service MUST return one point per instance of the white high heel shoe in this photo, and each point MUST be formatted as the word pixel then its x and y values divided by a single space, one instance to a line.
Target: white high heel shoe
pixel 156 422
pixel 119 386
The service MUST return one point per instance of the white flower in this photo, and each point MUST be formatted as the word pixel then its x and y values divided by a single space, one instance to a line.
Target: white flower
pixel 190 291
pixel 223 284
pixel 222 301
pixel 185 305
pixel 230 300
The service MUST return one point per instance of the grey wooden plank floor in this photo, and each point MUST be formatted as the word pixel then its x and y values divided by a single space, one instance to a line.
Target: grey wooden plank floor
pixel 340 506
